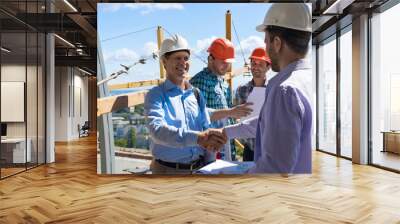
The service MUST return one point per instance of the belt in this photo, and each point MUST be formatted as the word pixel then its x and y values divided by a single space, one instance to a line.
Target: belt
pixel 183 166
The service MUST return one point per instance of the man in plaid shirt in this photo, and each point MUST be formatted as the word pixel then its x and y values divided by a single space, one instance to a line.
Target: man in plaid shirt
pixel 260 64
pixel 217 93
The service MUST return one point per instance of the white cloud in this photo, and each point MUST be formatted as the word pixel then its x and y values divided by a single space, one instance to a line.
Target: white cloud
pixel 110 7
pixel 150 48
pixel 145 8
pixel 121 55
pixel 203 44
pixel 248 45
pixel 149 7
pixel 164 6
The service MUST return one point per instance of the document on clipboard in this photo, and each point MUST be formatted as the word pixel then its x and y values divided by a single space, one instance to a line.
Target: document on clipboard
pixel 226 167
pixel 256 97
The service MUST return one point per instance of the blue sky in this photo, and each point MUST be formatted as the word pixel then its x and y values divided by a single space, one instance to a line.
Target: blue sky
pixel 198 23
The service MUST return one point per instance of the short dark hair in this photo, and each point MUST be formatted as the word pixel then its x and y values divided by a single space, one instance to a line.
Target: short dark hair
pixel 297 40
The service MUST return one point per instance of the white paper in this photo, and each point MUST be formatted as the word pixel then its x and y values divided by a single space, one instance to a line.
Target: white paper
pixel 225 167
pixel 257 97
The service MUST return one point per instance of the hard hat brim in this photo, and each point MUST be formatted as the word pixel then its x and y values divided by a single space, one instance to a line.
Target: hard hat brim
pixel 261 28
pixel 173 51
pixel 229 60
pixel 260 58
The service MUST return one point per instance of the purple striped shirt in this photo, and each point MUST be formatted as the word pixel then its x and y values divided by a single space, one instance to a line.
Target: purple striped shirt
pixel 283 129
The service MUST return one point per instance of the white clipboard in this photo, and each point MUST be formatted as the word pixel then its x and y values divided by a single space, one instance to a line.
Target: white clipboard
pixel 225 167
pixel 257 97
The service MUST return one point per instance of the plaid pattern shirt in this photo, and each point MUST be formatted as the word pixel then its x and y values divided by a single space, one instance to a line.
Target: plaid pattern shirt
pixel 213 88
pixel 242 93
pixel 217 94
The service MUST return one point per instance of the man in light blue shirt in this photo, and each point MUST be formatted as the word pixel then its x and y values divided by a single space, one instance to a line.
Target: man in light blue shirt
pixel 283 128
pixel 177 116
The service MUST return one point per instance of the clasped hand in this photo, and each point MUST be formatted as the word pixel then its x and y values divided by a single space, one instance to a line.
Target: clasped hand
pixel 212 139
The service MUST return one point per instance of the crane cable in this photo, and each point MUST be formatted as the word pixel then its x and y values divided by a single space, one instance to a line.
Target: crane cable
pixel 240 45
pixel 191 52
pixel 129 33
pixel 148 28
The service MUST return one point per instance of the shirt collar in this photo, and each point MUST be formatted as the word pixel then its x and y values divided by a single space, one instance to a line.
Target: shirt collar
pixel 212 75
pixel 296 65
pixel 168 86
pixel 252 84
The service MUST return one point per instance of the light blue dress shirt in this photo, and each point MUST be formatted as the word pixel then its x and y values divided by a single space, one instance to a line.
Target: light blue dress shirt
pixel 283 129
pixel 174 119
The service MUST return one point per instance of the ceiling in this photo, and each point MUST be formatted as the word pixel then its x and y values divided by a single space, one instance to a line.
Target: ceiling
pixel 76 22
pixel 328 16
pixel 77 25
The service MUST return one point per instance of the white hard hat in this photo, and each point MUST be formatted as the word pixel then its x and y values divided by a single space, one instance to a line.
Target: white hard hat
pixel 295 16
pixel 176 43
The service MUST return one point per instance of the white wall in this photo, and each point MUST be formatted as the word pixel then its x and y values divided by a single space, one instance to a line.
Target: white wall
pixel 13 73
pixel 80 102
pixel 71 87
pixel 33 126
pixel 61 103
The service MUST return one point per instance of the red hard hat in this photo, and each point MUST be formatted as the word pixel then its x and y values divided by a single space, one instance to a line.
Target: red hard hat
pixel 223 49
pixel 260 54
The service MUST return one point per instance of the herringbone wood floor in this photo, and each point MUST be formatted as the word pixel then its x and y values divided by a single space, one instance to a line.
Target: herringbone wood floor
pixel 70 191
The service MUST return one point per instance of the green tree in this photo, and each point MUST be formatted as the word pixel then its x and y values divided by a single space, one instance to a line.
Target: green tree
pixel 121 142
pixel 132 138
pixel 139 109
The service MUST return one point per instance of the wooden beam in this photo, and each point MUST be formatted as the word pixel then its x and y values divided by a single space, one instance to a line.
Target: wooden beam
pixel 84 24
pixel 228 35
pixel 128 85
pixel 239 144
pixel 113 103
pixel 134 84
pixel 160 38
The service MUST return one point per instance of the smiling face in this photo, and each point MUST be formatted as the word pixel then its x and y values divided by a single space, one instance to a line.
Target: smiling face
pixel 259 68
pixel 177 65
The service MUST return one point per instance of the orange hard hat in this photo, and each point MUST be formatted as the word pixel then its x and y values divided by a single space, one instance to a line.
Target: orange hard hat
pixel 260 54
pixel 223 49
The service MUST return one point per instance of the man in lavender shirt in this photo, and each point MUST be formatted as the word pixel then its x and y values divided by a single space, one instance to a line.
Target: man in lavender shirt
pixel 283 128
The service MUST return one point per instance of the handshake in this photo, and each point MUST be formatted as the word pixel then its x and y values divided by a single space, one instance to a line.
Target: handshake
pixel 212 139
